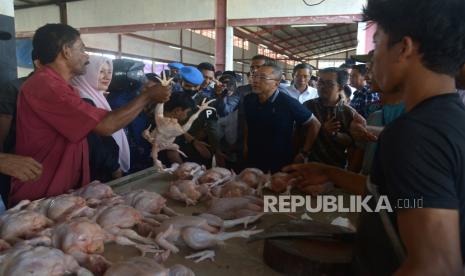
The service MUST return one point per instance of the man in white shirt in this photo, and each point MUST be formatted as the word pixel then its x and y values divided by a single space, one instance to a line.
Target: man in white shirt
pixel 300 90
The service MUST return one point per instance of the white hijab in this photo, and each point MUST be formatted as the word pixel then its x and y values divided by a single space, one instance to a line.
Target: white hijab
pixel 87 85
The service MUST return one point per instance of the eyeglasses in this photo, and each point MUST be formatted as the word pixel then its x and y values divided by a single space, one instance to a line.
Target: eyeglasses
pixel 263 77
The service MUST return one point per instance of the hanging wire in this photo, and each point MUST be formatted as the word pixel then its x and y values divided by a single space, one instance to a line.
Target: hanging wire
pixel 310 5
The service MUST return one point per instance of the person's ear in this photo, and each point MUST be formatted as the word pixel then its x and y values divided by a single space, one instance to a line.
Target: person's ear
pixel 66 51
pixel 406 48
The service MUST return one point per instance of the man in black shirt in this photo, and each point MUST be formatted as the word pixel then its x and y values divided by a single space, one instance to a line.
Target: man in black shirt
pixel 421 155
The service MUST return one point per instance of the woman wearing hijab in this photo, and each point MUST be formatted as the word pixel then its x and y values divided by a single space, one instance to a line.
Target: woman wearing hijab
pixel 93 86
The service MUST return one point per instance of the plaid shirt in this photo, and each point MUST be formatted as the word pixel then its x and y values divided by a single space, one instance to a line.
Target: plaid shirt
pixel 365 102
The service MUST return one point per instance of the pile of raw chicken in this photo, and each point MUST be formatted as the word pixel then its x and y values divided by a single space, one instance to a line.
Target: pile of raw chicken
pixel 67 234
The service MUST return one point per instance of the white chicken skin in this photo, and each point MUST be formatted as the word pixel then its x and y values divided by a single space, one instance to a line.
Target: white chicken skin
pixel 163 136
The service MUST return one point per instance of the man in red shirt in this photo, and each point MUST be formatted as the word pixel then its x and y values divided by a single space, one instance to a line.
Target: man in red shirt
pixel 52 120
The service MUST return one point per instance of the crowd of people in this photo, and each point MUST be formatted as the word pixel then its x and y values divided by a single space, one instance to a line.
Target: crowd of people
pixel 400 133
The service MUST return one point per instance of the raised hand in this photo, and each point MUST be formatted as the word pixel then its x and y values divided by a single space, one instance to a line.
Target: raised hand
pixel 332 126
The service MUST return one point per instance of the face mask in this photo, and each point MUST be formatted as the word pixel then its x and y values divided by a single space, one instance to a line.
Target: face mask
pixel 392 112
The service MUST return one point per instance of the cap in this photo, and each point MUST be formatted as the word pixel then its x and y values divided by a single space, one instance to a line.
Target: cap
pixel 191 75
pixel 5 35
pixel 176 65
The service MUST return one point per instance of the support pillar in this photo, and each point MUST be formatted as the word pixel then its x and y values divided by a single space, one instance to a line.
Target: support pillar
pixel 365 34
pixel 8 68
pixel 223 36
pixel 63 12
pixel 120 46
pixel 181 42
pixel 229 56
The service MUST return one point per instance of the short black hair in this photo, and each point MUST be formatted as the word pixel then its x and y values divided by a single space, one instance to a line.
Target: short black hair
pixel 231 75
pixel 347 91
pixel 437 26
pixel 344 75
pixel 206 66
pixel 341 75
pixel 267 60
pixel 302 66
pixel 179 99
pixel 49 40
pixel 277 71
pixel 361 68
pixel 34 55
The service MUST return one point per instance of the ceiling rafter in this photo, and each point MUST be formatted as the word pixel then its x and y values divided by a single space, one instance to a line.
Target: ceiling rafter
pixel 329 51
pixel 266 42
pixel 325 39
pixel 329 45
pixel 312 32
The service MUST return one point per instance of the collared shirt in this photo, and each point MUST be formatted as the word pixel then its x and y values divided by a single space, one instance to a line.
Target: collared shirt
pixel 365 101
pixel 326 149
pixel 270 127
pixel 52 126
pixel 308 94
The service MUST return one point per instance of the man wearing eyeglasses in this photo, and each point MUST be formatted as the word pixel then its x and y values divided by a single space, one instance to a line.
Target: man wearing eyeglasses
pixel 300 90
pixel 270 118
pixel 332 142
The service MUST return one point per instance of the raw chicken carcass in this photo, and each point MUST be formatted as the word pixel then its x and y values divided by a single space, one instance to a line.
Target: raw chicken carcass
pixel 233 188
pixel 149 203
pixel 171 231
pixel 95 192
pixel 119 220
pixel 28 260
pixel 187 191
pixel 235 207
pixel 61 208
pixel 188 170
pixel 253 177
pixel 85 240
pixel 163 136
pixel 278 183
pixel 17 225
pixel 146 267
pixel 216 175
